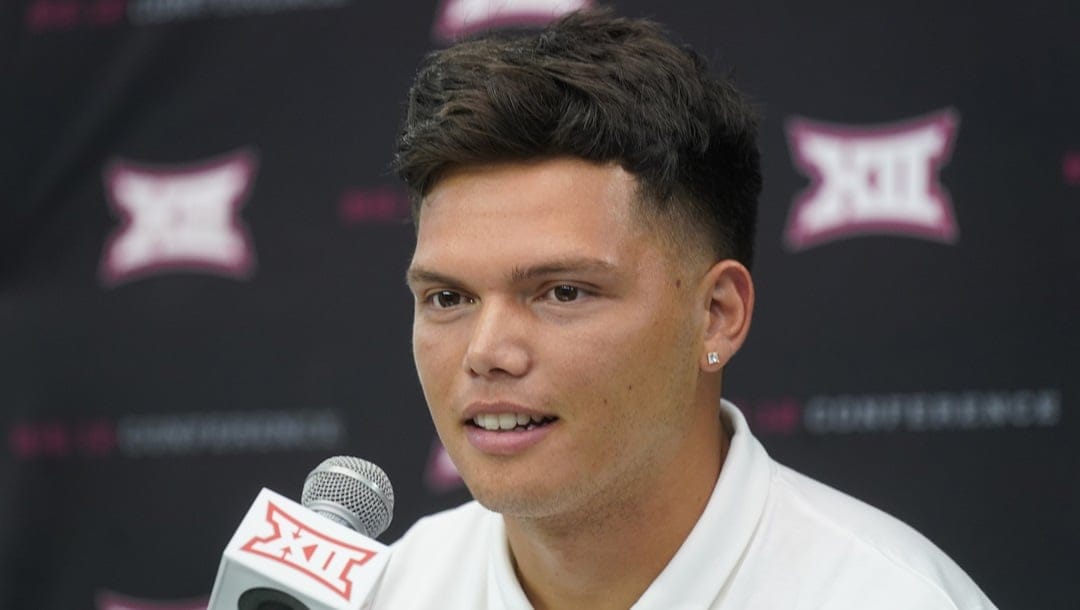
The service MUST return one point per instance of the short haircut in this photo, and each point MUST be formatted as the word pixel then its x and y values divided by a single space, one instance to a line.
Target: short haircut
pixel 602 88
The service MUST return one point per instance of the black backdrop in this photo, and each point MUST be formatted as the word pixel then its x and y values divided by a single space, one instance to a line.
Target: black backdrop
pixel 201 259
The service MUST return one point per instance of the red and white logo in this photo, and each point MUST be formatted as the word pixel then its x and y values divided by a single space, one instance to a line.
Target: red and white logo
pixel 872 179
pixel 179 218
pixel 458 18
pixel 297 545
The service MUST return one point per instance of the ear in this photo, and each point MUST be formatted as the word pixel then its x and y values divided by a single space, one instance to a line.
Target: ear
pixel 728 295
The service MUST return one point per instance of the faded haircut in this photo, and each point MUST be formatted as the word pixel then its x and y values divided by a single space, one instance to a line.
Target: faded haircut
pixel 602 88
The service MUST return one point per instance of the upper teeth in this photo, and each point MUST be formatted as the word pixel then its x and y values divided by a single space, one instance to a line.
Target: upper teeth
pixel 505 421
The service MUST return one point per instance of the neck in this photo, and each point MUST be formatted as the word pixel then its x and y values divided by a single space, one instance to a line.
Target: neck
pixel 607 556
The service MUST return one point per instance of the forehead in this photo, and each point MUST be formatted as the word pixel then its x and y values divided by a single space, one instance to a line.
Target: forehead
pixel 561 206
pixel 595 184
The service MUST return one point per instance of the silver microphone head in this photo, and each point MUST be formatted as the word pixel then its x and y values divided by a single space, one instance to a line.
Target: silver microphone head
pixel 352 492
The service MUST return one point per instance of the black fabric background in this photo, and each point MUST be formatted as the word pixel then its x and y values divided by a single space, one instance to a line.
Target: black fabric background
pixel 322 324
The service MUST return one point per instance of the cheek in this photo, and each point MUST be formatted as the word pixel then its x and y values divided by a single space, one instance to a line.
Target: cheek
pixel 604 367
pixel 432 353
pixel 653 364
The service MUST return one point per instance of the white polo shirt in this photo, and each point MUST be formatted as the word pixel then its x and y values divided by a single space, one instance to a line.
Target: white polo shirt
pixel 770 538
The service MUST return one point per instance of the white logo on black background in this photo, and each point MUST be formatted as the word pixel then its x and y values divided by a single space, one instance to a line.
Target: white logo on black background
pixel 179 218
pixel 872 179
pixel 457 18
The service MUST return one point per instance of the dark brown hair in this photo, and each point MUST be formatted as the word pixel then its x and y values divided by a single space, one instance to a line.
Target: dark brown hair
pixel 602 88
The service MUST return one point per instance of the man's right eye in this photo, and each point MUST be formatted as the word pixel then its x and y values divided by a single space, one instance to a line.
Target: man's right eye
pixel 444 299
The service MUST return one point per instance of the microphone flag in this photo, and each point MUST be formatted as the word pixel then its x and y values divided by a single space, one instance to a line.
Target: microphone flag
pixel 284 555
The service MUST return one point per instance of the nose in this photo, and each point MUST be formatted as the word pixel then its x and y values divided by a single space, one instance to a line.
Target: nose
pixel 498 345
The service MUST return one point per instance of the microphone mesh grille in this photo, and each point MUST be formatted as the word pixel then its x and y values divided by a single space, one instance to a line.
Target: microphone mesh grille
pixel 357 486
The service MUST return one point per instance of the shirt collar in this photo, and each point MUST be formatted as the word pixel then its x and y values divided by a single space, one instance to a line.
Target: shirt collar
pixel 706 561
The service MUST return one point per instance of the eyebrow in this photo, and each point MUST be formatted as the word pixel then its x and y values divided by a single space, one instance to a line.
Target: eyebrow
pixel 567 265
pixel 421 275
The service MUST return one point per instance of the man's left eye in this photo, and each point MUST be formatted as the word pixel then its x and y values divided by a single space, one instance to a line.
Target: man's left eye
pixel 565 293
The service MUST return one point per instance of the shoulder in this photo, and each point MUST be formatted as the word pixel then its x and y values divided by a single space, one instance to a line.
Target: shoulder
pixel 861 551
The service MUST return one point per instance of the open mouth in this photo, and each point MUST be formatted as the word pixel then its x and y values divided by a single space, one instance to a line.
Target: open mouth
pixel 510 422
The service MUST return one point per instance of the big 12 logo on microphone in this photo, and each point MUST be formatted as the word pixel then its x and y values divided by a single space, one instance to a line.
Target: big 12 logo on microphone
pixel 282 547
pixel 303 548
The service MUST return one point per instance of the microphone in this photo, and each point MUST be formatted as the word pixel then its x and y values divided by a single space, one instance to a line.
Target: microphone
pixel 352 492
pixel 318 555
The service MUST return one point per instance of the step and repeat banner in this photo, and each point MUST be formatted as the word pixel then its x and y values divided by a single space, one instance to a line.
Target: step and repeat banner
pixel 202 254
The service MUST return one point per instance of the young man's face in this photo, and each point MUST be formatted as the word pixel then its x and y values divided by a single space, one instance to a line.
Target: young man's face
pixel 547 310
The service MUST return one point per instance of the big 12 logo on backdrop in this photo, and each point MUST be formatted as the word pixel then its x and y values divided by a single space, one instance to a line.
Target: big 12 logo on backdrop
pixel 458 18
pixel 872 179
pixel 179 218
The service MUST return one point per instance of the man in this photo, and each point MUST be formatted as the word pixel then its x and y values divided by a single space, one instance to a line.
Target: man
pixel 585 208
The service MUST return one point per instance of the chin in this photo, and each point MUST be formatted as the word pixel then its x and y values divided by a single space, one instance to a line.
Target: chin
pixel 516 501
